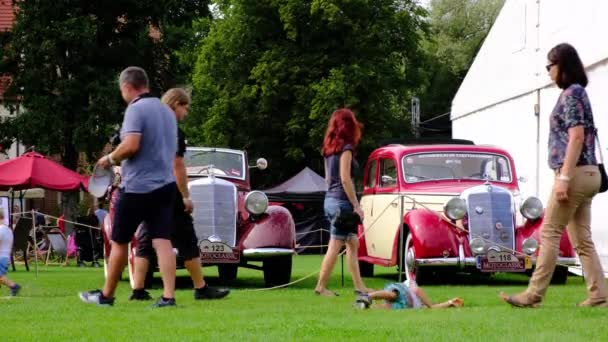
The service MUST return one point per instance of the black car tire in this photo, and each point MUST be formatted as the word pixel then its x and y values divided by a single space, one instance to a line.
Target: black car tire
pixel 277 270
pixel 227 272
pixel 560 275
pixel 366 269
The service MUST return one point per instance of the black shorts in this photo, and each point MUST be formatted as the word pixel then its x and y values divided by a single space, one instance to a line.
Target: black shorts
pixel 154 209
pixel 184 238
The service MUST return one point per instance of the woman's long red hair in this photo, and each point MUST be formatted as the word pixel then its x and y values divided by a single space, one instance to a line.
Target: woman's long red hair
pixel 343 128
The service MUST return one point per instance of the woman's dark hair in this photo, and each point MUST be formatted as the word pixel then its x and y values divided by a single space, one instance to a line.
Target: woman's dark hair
pixel 571 70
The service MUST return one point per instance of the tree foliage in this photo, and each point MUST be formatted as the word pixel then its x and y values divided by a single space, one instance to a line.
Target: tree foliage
pixel 458 29
pixel 64 57
pixel 270 73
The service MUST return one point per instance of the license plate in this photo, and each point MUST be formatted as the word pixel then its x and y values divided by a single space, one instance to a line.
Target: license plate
pixel 217 252
pixel 503 262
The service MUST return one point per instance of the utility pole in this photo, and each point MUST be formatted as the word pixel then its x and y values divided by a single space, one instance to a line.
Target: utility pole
pixel 416 117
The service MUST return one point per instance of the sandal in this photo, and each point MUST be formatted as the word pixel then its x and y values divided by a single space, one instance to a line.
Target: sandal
pixel 589 304
pixel 516 303
pixel 327 293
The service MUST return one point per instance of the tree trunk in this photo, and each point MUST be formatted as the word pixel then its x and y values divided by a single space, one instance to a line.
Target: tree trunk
pixel 69 200
pixel 69 208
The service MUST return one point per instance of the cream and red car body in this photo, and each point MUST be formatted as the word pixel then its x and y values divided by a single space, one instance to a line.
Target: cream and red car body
pixel 430 239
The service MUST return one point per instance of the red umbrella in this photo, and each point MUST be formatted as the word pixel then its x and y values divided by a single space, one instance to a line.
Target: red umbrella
pixel 33 170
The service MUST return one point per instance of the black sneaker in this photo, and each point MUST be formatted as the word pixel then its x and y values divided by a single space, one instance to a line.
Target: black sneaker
pixel 209 292
pixel 164 302
pixel 95 297
pixel 140 294
pixel 15 289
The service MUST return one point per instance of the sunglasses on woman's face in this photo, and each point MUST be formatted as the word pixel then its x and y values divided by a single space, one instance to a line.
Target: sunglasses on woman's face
pixel 548 66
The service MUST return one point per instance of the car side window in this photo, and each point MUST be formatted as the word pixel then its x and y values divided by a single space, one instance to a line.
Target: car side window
pixel 371 174
pixel 388 173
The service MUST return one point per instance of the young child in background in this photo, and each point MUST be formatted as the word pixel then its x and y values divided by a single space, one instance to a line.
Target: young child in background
pixel 6 247
pixel 406 295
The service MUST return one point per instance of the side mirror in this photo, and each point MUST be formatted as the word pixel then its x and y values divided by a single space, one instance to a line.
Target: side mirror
pixel 387 180
pixel 260 164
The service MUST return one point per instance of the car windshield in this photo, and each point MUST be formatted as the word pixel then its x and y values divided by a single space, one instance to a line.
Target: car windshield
pixel 219 162
pixel 456 165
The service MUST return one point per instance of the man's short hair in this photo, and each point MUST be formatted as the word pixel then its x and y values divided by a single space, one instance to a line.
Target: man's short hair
pixel 135 76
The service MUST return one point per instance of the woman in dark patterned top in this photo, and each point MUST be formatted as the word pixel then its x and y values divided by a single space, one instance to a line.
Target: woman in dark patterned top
pixel 577 180
pixel 341 139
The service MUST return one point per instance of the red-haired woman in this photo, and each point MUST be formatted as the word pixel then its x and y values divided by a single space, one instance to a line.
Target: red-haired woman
pixel 341 139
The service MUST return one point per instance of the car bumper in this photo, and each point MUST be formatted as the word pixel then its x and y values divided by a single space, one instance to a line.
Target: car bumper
pixel 471 261
pixel 261 253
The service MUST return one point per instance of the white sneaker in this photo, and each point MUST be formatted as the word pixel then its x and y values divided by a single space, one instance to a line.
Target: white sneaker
pixel 95 297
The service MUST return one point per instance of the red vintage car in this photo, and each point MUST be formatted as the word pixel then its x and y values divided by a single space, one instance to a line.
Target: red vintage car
pixel 454 207
pixel 234 225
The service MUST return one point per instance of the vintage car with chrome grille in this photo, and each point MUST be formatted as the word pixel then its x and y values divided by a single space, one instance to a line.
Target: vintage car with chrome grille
pixel 234 225
pixel 450 207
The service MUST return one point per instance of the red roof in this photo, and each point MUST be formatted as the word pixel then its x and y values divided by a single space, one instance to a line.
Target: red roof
pixel 6 15
pixel 6 23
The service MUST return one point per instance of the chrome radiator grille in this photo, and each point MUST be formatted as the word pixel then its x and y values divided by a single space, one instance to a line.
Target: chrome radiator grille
pixel 215 209
pixel 490 215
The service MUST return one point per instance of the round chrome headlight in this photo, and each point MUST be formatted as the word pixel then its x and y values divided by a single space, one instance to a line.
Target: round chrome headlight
pixel 532 208
pixel 455 208
pixel 478 246
pixel 529 246
pixel 256 202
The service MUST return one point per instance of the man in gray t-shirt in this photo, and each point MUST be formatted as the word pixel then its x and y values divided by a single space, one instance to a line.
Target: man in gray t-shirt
pixel 147 191
pixel 152 166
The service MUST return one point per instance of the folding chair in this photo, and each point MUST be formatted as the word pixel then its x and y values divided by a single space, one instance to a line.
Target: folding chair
pixel 58 246
pixel 21 239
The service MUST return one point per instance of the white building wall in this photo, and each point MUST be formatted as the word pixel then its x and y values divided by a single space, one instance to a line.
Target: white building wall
pixel 496 101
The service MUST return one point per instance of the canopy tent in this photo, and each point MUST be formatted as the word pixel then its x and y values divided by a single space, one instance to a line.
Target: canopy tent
pixel 303 194
pixel 306 185
pixel 33 170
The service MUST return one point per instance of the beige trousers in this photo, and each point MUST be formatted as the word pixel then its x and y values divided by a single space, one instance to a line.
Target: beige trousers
pixel 575 213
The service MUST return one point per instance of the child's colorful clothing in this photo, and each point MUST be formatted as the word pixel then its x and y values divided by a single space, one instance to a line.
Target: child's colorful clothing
pixel 406 298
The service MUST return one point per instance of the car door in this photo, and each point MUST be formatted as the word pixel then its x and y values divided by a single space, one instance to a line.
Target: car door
pixel 381 232
pixel 369 190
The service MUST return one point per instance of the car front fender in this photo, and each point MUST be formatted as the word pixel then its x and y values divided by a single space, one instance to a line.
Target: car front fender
pixel 275 228
pixel 432 236
pixel 531 228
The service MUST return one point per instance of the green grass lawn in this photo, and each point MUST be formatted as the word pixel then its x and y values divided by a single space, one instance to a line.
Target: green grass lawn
pixel 48 309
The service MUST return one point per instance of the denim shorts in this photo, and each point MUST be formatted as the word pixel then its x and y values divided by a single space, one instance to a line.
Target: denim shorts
pixel 333 207
pixel 4 262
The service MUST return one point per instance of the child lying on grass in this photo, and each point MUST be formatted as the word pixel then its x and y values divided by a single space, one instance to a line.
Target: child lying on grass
pixel 406 295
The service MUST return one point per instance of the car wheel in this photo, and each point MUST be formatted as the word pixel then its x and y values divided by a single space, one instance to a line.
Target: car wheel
pixel 366 269
pixel 277 270
pixel 560 275
pixel 412 270
pixel 227 272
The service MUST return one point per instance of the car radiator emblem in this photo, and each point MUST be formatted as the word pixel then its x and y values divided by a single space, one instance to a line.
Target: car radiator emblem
pixel 479 210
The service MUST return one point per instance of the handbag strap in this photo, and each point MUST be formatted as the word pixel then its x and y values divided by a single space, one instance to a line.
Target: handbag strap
pixel 599 146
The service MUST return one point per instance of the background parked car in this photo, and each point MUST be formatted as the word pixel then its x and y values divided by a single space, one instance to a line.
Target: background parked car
pixel 235 226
